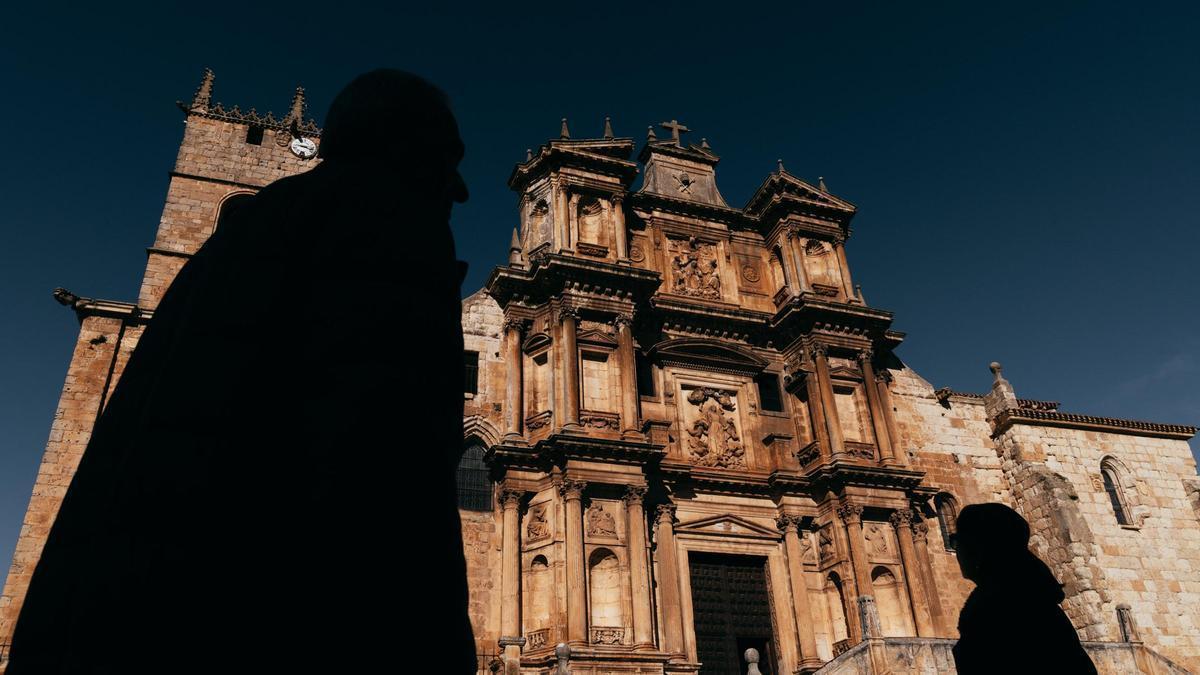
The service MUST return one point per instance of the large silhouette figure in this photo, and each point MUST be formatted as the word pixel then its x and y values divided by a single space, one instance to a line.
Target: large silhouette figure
pixel 1012 621
pixel 271 487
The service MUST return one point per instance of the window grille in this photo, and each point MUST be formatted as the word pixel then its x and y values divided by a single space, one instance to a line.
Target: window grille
pixel 473 482
pixel 1113 488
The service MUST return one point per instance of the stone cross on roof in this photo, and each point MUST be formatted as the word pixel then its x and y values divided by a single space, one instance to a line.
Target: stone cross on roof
pixel 675 128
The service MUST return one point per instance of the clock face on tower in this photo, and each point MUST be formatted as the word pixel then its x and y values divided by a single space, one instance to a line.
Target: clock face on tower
pixel 304 148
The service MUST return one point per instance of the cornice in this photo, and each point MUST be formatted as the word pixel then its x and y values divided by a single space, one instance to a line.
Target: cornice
pixel 268 121
pixel 1088 422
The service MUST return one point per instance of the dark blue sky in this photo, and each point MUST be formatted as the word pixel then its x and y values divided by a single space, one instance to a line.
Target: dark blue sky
pixel 1026 174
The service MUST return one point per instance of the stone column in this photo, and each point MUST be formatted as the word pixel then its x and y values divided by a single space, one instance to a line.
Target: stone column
pixel 918 599
pixel 569 317
pixel 886 454
pixel 643 624
pixel 572 493
pixel 627 362
pixel 513 375
pixel 511 639
pixel 789 264
pixel 920 533
pixel 885 402
pixel 804 621
pixel 573 219
pixel 797 255
pixel 559 199
pixel 839 247
pixel 816 411
pixel 851 515
pixel 668 581
pixel 621 234
pixel 832 424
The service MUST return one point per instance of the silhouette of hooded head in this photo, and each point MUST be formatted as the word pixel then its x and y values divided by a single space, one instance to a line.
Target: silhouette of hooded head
pixel 397 122
pixel 992 543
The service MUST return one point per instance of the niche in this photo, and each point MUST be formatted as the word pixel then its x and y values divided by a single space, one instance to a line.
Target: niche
pixel 888 600
pixel 604 586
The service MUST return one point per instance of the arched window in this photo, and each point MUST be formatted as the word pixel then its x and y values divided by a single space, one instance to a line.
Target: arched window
pixel 473 482
pixel 231 205
pixel 1111 473
pixel 947 514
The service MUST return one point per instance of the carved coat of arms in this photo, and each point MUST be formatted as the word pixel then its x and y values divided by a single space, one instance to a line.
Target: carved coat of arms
pixel 695 268
pixel 713 437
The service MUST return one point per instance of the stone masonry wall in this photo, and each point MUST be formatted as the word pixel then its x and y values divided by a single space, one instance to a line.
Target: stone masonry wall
pixel 482 320
pixel 94 369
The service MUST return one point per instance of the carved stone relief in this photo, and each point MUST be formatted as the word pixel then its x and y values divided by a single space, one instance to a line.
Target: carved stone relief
pixel 807 554
pixel 825 544
pixel 713 437
pixel 539 523
pixel 600 523
pixel 694 269
pixel 877 540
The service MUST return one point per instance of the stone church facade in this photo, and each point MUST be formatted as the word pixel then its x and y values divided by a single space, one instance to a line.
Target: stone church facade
pixel 687 433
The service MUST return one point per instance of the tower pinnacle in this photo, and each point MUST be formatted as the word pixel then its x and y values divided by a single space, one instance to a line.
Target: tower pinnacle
pixel 203 94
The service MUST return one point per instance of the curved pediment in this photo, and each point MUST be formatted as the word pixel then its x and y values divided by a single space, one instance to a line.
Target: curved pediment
pixel 707 355
pixel 535 342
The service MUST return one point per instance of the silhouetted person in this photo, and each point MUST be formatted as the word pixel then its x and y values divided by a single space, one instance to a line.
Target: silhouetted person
pixel 1012 621
pixel 271 487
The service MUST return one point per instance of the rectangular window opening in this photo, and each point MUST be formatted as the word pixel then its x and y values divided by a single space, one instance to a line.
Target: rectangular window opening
pixel 254 135
pixel 471 372
pixel 769 395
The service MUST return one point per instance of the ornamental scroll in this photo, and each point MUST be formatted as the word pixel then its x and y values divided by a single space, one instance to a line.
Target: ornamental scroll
pixel 713 437
pixel 695 269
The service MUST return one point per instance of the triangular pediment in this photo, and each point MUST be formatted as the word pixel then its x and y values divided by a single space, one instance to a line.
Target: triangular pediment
pixel 782 188
pixel 596 337
pixel 727 525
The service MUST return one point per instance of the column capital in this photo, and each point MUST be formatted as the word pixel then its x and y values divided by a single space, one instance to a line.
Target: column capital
pixel 634 494
pixel 788 522
pixel 512 323
pixel 567 312
pixel 571 488
pixel 510 497
pixel 819 349
pixel 664 512
pixel 622 321
pixel 793 232
pixel 902 519
pixel 866 355
pixel 618 197
pixel 850 513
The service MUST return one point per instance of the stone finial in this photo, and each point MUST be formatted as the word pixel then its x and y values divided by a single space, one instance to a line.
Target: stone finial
pixel 704 144
pixel 528 154
pixel 751 656
pixel 203 95
pixel 562 653
pixel 514 251
pixel 821 184
pixel 1001 397
pixel 650 134
pixel 608 132
pixel 564 132
pixel 298 107
pixel 779 165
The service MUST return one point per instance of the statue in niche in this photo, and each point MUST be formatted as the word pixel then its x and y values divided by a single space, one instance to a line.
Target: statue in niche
pixel 876 540
pixel 600 522
pixel 538 526
pixel 696 269
pixel 591 221
pixel 825 542
pixel 714 438
pixel 538 229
